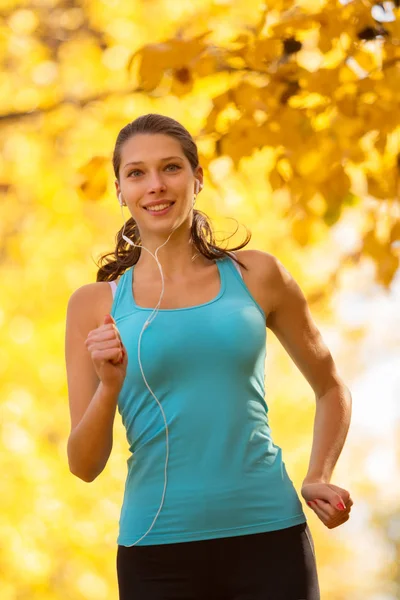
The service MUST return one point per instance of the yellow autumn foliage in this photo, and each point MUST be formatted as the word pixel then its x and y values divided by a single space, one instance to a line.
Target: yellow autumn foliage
pixel 295 109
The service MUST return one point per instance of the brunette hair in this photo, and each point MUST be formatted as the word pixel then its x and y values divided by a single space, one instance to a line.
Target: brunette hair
pixel 113 264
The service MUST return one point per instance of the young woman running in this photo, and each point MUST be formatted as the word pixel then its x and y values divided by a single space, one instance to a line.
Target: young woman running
pixel 173 333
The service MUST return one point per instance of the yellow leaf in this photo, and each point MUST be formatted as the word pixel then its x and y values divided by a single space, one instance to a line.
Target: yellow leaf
pixel 247 97
pixel 276 180
pixel 284 168
pixel 243 38
pixel 154 60
pixel 348 105
pixel 387 267
pixel 325 44
pixel 175 54
pixel 301 230
pixel 182 81
pixel 240 140
pixel 309 163
pixel 260 54
pixel 267 134
pixel 94 178
pixel 336 186
pixel 291 22
pixel 395 233
pixel 205 65
pixel 385 187
pixel 372 246
pixel 209 126
pixel 222 100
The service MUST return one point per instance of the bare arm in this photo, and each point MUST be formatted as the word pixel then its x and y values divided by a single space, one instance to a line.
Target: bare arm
pixel 331 424
pixel 92 405
pixel 292 323
pixel 90 443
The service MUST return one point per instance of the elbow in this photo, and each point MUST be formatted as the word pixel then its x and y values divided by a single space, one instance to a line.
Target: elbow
pixel 79 472
pixel 83 476
pixel 85 470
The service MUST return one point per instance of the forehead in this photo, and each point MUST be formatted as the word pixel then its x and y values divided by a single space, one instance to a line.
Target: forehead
pixel 150 148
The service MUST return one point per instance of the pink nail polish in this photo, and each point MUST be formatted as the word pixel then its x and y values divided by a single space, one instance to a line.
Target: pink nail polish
pixel 340 506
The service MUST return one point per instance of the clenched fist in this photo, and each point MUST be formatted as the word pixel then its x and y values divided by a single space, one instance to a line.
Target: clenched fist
pixel 108 353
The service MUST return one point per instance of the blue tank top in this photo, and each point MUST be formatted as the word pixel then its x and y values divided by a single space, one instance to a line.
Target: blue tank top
pixel 206 366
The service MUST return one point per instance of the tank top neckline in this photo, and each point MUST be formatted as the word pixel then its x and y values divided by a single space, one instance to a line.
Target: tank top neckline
pixel 217 297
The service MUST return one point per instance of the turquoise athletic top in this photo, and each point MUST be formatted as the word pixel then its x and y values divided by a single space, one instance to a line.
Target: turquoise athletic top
pixel 206 366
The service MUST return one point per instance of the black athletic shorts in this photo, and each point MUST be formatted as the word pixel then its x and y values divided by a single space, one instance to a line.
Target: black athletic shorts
pixel 276 565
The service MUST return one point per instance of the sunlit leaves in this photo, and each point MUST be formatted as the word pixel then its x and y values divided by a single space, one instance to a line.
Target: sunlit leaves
pixel 311 79
pixel 93 178
pixel 290 111
pixel 384 255
pixel 176 55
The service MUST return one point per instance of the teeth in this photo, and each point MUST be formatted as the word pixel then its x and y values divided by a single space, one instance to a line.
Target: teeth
pixel 159 206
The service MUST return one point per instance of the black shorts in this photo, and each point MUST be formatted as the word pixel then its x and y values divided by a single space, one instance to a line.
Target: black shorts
pixel 276 565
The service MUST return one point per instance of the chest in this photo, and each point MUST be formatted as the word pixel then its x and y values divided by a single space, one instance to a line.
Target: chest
pixel 199 290
pixel 191 292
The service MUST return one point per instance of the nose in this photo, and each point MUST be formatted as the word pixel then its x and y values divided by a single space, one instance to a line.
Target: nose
pixel 156 184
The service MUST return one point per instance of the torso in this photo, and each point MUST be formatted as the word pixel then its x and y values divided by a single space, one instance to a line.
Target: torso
pixel 197 291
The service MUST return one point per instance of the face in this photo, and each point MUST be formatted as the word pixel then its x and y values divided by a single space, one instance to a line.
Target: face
pixel 154 168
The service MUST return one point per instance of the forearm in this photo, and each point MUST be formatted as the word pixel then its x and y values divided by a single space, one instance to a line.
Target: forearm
pixel 90 443
pixel 331 424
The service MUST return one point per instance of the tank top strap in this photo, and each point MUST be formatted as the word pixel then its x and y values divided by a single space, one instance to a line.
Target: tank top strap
pixel 237 267
pixel 113 285
pixel 121 291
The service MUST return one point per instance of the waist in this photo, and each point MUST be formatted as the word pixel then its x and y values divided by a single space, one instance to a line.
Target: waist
pixel 201 503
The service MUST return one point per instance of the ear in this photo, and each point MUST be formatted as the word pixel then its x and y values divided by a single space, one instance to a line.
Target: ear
pixel 117 188
pixel 199 176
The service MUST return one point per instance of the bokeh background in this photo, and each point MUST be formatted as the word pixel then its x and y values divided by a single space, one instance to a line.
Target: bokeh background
pixel 295 107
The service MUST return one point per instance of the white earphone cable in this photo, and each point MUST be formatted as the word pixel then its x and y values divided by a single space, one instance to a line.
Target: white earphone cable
pixel 146 324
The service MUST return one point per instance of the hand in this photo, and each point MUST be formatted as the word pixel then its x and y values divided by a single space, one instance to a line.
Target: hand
pixel 108 353
pixel 325 498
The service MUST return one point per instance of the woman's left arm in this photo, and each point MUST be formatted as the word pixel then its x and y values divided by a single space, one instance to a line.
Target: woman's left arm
pixel 291 321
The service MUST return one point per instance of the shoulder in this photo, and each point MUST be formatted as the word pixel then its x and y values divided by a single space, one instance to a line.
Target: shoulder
pixel 269 274
pixel 263 277
pixel 90 291
pixel 93 300
pixel 264 265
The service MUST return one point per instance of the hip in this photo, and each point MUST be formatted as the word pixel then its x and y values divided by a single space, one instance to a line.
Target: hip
pixel 272 565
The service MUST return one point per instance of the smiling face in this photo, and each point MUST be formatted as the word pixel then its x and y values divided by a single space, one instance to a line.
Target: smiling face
pixel 154 168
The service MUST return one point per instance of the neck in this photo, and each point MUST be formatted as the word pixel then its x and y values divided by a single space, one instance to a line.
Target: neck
pixel 177 263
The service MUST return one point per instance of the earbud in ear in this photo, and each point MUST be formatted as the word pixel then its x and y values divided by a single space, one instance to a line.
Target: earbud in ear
pixel 198 186
pixel 120 199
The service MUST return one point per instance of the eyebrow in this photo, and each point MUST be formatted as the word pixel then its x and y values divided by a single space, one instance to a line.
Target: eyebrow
pixel 140 162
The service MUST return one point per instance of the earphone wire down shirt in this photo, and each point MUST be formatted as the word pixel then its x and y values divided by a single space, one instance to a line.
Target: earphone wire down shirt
pixel 206 366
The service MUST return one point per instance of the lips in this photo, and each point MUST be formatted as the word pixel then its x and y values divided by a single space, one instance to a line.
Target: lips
pixel 150 207
pixel 156 213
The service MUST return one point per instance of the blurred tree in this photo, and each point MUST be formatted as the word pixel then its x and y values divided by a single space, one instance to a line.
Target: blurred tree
pixel 295 110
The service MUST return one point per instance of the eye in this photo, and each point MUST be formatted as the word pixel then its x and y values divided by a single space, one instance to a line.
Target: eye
pixel 139 171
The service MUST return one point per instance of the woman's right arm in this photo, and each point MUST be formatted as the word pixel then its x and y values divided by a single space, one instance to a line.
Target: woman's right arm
pixel 92 404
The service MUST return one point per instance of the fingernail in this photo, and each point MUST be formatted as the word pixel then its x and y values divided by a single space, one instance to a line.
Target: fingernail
pixel 340 506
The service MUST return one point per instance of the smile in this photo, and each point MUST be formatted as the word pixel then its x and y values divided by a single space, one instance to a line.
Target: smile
pixel 159 211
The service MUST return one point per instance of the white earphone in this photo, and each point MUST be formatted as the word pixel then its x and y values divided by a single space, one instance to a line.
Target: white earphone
pixel 198 187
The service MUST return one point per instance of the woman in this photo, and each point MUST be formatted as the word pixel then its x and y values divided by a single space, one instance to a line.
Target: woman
pixel 209 510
